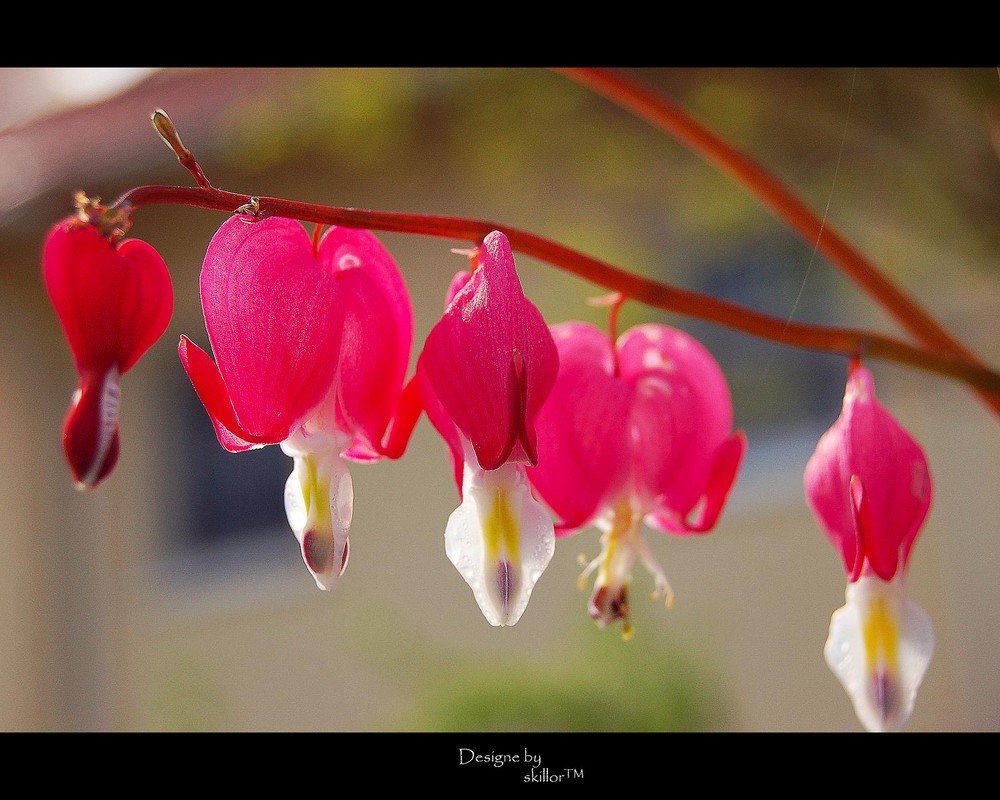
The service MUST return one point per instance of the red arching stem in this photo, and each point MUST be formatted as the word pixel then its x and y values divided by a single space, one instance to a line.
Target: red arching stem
pixel 844 341
pixel 613 302
pixel 617 300
pixel 667 116
pixel 315 239
pixel 616 307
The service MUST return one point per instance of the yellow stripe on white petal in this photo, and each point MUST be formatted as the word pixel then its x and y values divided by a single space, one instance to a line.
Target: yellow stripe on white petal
pixel 879 647
pixel 500 539
pixel 319 503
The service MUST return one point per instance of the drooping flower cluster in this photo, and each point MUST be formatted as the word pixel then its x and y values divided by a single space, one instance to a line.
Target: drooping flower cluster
pixel 114 301
pixel 634 430
pixel 311 338
pixel 870 487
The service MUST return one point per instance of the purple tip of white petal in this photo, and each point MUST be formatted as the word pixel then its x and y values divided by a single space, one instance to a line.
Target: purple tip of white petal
pixel 319 552
pixel 885 696
pixel 504 588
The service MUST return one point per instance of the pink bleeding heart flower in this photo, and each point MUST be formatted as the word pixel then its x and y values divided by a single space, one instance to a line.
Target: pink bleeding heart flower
pixel 869 485
pixel 484 373
pixel 633 431
pixel 311 342
pixel 114 301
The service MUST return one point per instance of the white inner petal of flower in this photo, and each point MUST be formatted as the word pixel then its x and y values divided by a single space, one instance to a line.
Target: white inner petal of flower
pixel 879 647
pixel 500 539
pixel 319 503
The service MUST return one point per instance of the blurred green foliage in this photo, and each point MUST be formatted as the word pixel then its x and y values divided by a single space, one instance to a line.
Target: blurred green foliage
pixel 598 684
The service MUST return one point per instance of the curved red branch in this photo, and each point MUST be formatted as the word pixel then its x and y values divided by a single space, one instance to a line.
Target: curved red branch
pixel 844 341
pixel 667 116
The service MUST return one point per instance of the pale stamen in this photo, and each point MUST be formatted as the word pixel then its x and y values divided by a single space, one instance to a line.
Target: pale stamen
pixel 621 542
pixel 661 586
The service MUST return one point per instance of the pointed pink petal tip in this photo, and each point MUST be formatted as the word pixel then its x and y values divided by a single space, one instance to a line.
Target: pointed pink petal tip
pixel 211 390
pixel 722 477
